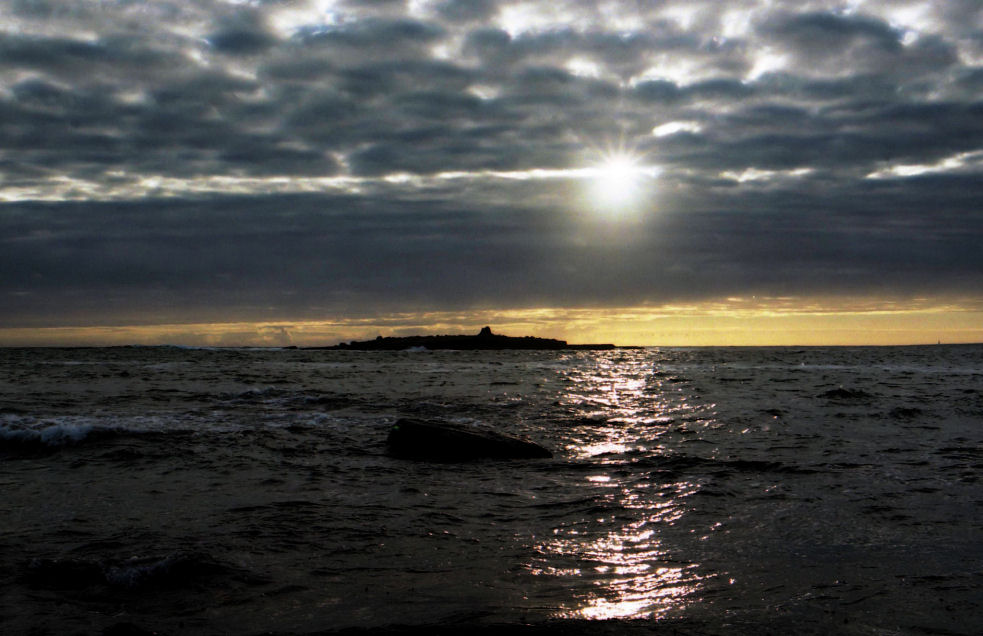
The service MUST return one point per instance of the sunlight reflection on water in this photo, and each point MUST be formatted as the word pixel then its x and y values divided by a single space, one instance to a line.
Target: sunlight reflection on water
pixel 616 559
pixel 632 574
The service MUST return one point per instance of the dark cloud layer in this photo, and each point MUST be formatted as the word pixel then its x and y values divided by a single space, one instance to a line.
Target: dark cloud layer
pixel 315 256
pixel 804 148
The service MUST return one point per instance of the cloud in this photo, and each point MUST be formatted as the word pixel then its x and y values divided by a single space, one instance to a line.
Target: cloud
pixel 263 258
pixel 242 33
pixel 295 158
pixel 824 44
pixel 467 10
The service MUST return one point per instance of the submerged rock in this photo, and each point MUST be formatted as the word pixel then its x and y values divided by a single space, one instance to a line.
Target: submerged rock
pixel 845 394
pixel 63 574
pixel 417 439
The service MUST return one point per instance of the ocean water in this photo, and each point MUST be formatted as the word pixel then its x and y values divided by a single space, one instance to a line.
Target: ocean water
pixel 701 490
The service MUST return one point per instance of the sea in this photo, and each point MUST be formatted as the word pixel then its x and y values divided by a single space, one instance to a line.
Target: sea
pixel 175 490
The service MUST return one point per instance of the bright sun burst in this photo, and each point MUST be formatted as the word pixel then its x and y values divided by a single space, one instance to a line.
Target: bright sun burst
pixel 617 181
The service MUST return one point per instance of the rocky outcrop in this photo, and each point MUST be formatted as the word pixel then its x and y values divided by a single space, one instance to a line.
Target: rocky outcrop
pixel 439 441
pixel 484 341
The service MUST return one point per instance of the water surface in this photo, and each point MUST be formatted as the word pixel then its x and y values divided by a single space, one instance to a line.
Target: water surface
pixel 720 489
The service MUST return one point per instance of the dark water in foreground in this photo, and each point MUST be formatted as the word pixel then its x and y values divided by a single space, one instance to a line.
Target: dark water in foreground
pixel 707 490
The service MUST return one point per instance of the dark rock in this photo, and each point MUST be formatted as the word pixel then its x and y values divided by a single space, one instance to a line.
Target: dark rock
pixel 905 413
pixel 845 394
pixel 63 574
pixel 417 439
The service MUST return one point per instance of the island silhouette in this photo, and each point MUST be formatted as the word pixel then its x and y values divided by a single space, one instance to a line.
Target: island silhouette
pixel 484 341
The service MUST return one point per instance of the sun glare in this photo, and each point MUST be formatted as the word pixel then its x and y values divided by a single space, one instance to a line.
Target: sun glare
pixel 617 181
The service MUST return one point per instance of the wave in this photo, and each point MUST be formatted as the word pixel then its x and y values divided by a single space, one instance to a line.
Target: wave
pixel 24 435
pixel 175 570
pixel 277 397
pixel 673 465
pixel 49 437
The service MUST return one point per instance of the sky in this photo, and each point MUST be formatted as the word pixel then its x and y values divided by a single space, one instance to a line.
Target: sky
pixel 688 172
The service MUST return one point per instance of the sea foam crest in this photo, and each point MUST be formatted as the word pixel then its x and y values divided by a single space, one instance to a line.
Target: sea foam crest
pixel 174 568
pixel 52 435
pixel 30 433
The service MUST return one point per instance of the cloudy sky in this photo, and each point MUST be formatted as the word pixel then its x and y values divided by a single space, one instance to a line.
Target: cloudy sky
pixel 648 172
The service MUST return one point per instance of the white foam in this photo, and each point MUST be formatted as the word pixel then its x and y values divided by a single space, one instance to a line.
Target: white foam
pixel 136 571
pixel 67 430
pixel 50 435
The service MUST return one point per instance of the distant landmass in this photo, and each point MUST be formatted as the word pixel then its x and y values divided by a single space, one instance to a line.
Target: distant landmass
pixel 484 341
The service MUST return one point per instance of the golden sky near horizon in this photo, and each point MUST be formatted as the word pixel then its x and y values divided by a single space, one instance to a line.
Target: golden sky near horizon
pixel 717 325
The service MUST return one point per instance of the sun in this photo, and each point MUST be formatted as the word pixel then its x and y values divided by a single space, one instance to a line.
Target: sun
pixel 616 182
